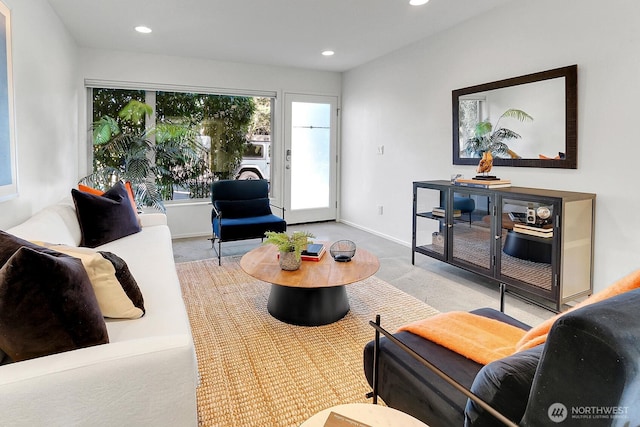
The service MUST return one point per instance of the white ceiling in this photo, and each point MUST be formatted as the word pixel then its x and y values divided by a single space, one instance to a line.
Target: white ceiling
pixel 289 33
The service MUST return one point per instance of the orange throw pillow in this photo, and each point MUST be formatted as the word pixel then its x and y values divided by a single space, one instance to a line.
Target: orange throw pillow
pixel 90 190
pixel 538 334
pixel 132 199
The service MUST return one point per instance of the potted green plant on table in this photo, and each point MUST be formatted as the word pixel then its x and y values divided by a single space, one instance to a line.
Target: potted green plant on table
pixel 290 247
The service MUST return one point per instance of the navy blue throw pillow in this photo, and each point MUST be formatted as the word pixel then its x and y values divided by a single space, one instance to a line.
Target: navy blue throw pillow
pixel 505 385
pixel 105 218
pixel 47 306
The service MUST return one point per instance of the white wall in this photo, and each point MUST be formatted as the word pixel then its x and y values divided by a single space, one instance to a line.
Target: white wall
pixel 46 89
pixel 403 101
pixel 193 72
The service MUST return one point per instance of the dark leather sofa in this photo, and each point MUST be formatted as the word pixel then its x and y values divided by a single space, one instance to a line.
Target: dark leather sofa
pixel 586 374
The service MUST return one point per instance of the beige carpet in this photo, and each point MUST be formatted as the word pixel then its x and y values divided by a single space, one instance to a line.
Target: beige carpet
pixel 258 371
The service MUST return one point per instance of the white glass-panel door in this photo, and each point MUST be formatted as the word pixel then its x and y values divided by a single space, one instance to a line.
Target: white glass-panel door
pixel 310 162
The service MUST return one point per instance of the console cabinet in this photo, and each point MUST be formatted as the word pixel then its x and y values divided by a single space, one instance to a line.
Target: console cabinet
pixel 534 242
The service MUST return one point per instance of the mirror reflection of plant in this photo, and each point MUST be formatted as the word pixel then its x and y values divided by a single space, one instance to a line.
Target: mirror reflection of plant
pixel 494 138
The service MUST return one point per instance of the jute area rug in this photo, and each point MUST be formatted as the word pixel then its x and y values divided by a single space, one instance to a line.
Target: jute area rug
pixel 258 371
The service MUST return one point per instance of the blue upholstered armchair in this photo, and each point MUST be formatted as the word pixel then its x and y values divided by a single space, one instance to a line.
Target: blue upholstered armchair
pixel 241 210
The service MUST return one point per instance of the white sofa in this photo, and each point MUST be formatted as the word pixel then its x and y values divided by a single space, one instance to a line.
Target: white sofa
pixel 145 376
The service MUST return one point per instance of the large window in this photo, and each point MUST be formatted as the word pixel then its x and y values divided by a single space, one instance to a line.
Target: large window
pixel 190 139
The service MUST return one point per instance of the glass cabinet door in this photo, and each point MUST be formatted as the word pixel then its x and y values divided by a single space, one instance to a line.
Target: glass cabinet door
pixel 429 222
pixel 528 229
pixel 472 240
pixel 534 242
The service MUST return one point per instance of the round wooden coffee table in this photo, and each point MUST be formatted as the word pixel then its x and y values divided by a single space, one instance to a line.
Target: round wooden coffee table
pixel 314 294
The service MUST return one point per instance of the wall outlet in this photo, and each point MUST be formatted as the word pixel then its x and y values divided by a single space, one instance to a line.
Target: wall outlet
pixel 380 210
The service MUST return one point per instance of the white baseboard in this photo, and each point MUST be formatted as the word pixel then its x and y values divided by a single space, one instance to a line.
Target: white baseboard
pixel 190 235
pixel 351 224
pixel 368 230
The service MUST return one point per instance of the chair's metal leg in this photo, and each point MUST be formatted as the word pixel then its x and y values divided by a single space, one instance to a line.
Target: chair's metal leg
pixel 219 251
pixel 213 246
pixel 376 363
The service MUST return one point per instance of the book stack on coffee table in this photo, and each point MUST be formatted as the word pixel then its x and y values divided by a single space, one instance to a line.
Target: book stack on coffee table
pixel 314 252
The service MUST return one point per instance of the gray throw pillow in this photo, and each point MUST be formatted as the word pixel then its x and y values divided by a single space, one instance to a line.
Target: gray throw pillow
pixel 505 385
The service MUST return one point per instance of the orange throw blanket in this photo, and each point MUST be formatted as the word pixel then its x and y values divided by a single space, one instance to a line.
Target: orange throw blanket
pixel 476 337
pixel 485 340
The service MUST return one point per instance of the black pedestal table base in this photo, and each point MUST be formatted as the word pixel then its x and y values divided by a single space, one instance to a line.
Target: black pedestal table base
pixel 308 306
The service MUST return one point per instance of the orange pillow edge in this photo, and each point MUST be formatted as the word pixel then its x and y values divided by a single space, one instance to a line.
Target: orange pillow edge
pixel 127 185
pixel 629 282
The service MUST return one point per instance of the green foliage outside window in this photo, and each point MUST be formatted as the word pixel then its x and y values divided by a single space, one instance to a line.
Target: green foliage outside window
pixel 226 121
pixel 196 137
pixel 126 153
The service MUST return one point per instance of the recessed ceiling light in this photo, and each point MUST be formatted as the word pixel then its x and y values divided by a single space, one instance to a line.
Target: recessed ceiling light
pixel 418 2
pixel 328 52
pixel 142 29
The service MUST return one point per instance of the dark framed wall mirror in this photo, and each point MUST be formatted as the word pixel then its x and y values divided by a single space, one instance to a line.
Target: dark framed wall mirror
pixel 545 136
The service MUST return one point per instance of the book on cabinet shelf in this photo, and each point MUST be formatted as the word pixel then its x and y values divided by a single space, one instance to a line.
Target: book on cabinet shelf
pixel 439 211
pixel 535 227
pixel 540 231
pixel 481 183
